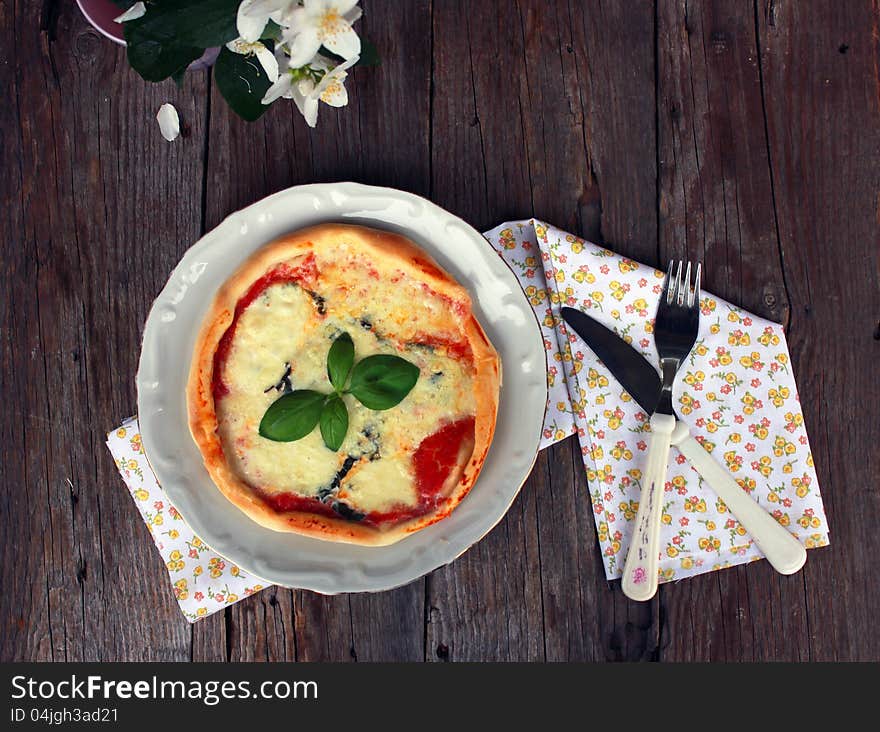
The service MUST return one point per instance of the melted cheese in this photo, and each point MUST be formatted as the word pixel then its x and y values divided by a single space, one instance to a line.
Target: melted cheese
pixel 283 326
pixel 380 485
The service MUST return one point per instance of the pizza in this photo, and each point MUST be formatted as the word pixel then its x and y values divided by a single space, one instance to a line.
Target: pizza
pixel 264 349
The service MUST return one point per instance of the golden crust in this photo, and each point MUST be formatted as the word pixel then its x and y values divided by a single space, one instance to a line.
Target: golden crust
pixel 200 402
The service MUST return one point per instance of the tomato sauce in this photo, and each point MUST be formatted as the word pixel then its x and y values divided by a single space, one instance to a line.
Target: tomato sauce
pixel 283 502
pixel 304 273
pixel 434 459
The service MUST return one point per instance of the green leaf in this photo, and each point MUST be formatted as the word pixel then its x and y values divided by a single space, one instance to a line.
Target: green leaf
pixel 155 61
pixel 340 360
pixel 292 416
pixel 381 382
pixel 174 33
pixel 272 32
pixel 201 23
pixel 334 422
pixel 369 54
pixel 242 82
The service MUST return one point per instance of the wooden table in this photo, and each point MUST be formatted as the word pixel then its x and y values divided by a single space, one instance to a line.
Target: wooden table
pixel 746 135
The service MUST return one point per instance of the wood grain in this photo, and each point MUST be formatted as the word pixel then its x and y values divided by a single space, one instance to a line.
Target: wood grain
pixel 743 134
pixel 614 102
pixel 86 585
pixel 716 206
pixel 822 89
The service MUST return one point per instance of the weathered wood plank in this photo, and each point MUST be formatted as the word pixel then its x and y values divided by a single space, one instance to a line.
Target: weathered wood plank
pixel 822 93
pixel 90 164
pixel 486 605
pixel 609 90
pixel 613 66
pixel 716 205
pixel 24 602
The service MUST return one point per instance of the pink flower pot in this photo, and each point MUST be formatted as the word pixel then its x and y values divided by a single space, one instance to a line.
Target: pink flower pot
pixel 100 13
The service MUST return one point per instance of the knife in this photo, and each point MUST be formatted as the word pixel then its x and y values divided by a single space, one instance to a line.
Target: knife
pixel 636 374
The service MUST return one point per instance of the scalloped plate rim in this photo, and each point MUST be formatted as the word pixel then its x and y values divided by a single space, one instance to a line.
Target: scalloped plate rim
pixel 321 566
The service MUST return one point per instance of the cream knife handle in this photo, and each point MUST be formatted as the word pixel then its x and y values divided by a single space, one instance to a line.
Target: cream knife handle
pixel 783 551
pixel 640 570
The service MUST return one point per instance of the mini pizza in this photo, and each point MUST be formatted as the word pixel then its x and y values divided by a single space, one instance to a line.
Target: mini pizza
pixel 406 402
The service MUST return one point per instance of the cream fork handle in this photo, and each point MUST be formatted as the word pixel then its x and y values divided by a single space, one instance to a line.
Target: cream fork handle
pixel 783 551
pixel 642 559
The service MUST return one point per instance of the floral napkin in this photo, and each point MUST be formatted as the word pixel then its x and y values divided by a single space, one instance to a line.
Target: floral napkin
pixel 736 393
pixel 203 582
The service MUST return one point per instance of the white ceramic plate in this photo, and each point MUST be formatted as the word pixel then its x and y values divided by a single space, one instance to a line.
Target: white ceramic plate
pixel 297 561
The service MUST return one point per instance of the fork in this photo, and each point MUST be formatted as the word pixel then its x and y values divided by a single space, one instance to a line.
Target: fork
pixel 675 332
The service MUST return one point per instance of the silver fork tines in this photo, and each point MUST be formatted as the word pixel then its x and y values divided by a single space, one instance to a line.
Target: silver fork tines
pixel 695 295
pixel 679 291
pixel 676 324
pixel 670 283
pixel 684 292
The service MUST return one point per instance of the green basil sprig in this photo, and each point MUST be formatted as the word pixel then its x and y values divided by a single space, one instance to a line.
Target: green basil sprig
pixel 378 382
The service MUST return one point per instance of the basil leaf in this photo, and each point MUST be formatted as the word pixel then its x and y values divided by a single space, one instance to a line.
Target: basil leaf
pixel 292 416
pixel 381 382
pixel 242 82
pixel 174 33
pixel 201 23
pixel 334 422
pixel 339 361
pixel 347 512
pixel 156 61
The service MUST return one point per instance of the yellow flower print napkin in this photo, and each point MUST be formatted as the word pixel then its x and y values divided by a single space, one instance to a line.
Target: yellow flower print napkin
pixel 736 393
pixel 203 582
pixel 520 250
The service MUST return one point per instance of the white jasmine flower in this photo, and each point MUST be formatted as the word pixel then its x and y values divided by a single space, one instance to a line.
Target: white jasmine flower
pixel 254 14
pixel 133 13
pixel 331 88
pixel 283 87
pixel 169 122
pixel 264 55
pixel 311 84
pixel 322 22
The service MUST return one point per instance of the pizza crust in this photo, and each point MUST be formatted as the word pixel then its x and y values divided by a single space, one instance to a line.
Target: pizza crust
pixel 200 401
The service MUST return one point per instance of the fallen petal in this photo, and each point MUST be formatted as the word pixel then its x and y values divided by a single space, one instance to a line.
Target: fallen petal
pixel 133 13
pixel 169 122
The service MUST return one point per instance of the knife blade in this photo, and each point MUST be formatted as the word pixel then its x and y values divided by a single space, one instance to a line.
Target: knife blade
pixel 634 372
pixel 642 382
